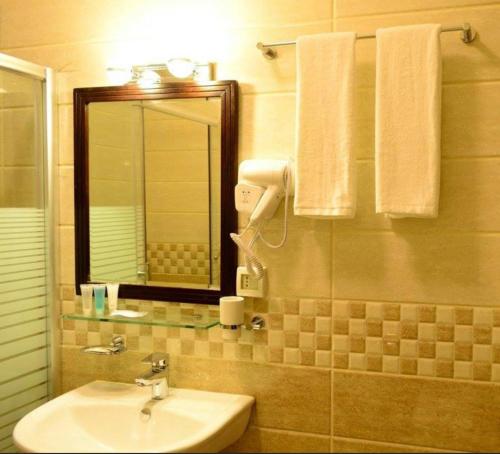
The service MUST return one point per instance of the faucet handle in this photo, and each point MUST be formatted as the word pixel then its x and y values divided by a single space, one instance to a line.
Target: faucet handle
pixel 157 360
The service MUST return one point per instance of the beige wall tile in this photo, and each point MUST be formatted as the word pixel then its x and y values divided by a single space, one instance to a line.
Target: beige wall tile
pixel 77 369
pixel 256 439
pixel 437 268
pixel 66 196
pixel 189 165
pixel 32 23
pixel 65 134
pixel 178 227
pixel 254 73
pixel 283 402
pixel 258 139
pixel 174 134
pixel 461 62
pixel 180 196
pixel 417 411
pixel 20 187
pixel 467 200
pixel 83 64
pixel 469 120
pixel 301 267
pixel 360 7
pixel 17 128
pixel 67 255
pixel 340 444
pixel 469 126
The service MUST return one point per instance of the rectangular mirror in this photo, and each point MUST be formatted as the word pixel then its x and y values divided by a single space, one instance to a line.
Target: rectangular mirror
pixel 154 179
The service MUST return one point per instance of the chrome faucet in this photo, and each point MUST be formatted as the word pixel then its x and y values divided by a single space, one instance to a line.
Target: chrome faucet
pixel 116 346
pixel 157 377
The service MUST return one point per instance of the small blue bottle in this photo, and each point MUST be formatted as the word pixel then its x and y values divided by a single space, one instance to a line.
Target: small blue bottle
pixel 99 292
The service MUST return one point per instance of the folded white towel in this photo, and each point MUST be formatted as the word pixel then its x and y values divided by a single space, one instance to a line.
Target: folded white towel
pixel 324 184
pixel 408 121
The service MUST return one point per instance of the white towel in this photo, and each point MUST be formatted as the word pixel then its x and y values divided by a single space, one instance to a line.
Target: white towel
pixel 324 184
pixel 408 121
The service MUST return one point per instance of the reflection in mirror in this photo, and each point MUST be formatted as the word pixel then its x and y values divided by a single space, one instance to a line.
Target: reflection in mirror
pixel 154 192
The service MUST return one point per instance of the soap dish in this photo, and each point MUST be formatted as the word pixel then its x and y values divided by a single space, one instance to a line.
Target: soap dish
pixel 128 314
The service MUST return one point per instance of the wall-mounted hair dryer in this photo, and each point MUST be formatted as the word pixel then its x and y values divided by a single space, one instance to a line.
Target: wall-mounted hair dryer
pixel 262 184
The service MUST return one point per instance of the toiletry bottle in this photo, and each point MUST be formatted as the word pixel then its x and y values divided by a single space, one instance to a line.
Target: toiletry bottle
pixel 99 294
pixel 112 289
pixel 86 290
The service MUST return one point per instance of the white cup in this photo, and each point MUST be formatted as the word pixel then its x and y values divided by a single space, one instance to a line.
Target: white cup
pixel 232 316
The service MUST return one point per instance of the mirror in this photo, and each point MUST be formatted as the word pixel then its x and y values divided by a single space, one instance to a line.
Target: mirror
pixel 154 178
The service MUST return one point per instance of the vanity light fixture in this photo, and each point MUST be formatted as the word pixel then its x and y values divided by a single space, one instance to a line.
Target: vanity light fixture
pixel 150 75
pixel 119 76
pixel 147 78
pixel 181 67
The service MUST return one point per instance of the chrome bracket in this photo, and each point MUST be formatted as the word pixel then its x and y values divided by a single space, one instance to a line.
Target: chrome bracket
pixel 468 33
pixel 267 52
pixel 256 324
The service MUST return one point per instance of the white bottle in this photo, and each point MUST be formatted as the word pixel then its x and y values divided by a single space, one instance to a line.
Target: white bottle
pixel 112 289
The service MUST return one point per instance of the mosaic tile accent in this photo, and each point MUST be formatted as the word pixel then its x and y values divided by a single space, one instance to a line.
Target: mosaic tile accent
pixel 298 332
pixel 185 259
pixel 417 339
pixel 453 342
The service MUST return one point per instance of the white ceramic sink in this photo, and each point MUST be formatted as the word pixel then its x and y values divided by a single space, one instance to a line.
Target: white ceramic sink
pixel 106 417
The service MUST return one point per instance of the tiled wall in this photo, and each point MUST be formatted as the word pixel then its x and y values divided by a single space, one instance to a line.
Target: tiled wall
pixel 114 142
pixel 20 155
pixel 177 201
pixel 171 261
pixel 366 317
pixel 418 339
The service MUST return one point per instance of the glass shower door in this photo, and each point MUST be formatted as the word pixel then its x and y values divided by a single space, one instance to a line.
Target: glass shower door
pixel 24 289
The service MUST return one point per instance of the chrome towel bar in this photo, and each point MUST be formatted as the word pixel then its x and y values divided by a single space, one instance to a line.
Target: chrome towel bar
pixel 467 36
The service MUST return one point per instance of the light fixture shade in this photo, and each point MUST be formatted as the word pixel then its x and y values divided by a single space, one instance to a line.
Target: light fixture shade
pixel 119 76
pixel 181 67
pixel 148 78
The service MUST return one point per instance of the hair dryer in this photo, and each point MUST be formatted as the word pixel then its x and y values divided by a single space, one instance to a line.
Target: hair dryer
pixel 262 183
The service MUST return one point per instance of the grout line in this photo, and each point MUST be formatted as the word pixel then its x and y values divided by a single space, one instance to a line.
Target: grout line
pixel 289 431
pixel 382 444
pixel 485 5
pixel 470 158
pixel 436 231
pixel 418 377
pixel 295 431
pixel 445 83
pixel 483 306
pixel 444 158
pixel 472 82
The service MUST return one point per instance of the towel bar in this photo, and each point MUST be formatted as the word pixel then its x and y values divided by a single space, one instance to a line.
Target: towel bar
pixel 467 36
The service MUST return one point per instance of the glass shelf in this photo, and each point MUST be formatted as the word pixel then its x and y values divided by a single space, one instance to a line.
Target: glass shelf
pixel 176 320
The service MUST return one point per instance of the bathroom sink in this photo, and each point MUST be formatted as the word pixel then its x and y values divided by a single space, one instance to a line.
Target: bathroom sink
pixel 116 417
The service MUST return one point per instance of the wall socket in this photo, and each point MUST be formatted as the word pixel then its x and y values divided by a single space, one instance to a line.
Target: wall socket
pixel 246 285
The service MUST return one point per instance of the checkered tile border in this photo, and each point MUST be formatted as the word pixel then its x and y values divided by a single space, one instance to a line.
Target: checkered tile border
pixel 452 342
pixel 417 339
pixel 186 259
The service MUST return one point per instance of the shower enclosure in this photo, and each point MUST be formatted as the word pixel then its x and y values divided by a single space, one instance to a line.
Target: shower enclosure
pixel 26 226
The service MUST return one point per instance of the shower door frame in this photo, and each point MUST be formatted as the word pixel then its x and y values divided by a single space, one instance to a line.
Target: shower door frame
pixel 46 76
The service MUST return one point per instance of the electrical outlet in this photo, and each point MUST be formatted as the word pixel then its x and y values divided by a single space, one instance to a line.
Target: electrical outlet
pixel 247 285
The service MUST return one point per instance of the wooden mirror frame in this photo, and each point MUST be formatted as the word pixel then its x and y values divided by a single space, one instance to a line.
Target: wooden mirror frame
pixel 227 91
